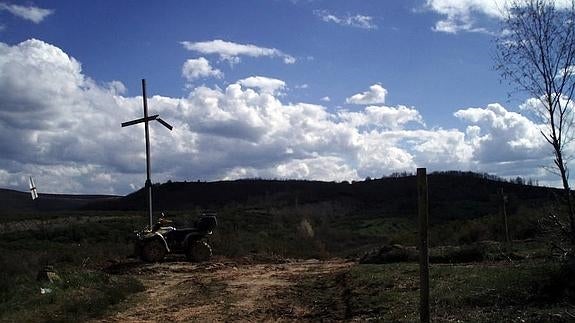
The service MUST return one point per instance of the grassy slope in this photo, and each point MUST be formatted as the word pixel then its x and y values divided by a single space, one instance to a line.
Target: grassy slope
pixel 76 251
pixel 502 292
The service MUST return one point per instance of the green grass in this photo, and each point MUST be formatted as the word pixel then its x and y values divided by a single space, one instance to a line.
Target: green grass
pixel 503 291
pixel 533 292
pixel 387 293
pixel 77 250
pixel 478 292
pixel 77 296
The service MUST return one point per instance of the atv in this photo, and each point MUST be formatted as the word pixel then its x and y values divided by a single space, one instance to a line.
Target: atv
pixel 152 244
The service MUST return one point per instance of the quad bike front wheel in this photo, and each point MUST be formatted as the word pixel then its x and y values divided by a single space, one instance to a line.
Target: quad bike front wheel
pixel 153 251
pixel 198 251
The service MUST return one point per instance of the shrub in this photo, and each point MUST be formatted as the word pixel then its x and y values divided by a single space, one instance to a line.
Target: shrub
pixel 389 254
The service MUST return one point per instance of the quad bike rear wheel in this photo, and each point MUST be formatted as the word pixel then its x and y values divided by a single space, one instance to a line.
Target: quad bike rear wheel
pixel 198 251
pixel 153 251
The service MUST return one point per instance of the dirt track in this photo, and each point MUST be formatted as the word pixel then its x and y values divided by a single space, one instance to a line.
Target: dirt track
pixel 222 291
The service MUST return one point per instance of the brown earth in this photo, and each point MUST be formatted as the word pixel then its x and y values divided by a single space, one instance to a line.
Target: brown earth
pixel 221 290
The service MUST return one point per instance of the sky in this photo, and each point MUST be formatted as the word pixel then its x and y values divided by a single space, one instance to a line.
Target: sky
pixel 334 90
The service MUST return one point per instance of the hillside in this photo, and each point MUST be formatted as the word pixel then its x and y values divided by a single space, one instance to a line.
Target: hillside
pixel 21 202
pixel 452 195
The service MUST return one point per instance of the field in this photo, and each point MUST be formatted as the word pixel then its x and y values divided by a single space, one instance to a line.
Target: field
pixel 315 259
pixel 89 251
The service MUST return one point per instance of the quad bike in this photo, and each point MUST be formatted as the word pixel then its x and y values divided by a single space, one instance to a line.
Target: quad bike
pixel 153 244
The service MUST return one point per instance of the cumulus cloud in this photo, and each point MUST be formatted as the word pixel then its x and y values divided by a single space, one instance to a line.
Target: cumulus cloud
pixel 462 15
pixel 31 13
pixel 503 136
pixel 116 87
pixel 386 117
pixel 198 68
pixel 56 121
pixel 264 84
pixel 375 95
pixel 63 128
pixel 231 52
pixel 379 150
pixel 321 168
pixel 356 21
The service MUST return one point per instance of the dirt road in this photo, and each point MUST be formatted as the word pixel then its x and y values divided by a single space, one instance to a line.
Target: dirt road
pixel 223 291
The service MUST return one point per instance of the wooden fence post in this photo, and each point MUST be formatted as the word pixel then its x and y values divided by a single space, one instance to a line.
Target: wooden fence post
pixel 504 211
pixel 423 245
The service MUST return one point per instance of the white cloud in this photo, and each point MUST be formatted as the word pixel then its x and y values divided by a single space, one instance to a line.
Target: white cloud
pixel 64 129
pixel 117 87
pixel 379 154
pixel 375 95
pixel 264 84
pixel 231 51
pixel 58 124
pixel 462 15
pixel 503 136
pixel 200 67
pixel 325 168
pixel 357 21
pixel 30 13
pixel 569 71
pixel 325 99
pixel 382 116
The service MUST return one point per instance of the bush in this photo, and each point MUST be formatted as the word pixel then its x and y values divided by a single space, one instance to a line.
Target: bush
pixel 390 254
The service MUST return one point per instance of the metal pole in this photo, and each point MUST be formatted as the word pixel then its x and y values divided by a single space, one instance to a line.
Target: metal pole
pixel 148 181
pixel 423 210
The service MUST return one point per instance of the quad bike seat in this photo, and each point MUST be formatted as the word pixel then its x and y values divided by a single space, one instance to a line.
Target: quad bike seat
pixel 204 225
pixel 180 234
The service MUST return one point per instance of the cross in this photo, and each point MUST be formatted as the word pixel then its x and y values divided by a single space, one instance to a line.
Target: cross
pixel 33 189
pixel 145 120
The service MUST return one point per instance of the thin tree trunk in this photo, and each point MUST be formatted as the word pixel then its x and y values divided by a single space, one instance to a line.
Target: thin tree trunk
pixel 568 196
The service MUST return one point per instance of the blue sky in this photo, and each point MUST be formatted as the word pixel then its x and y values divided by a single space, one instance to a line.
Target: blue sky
pixel 130 40
pixel 314 89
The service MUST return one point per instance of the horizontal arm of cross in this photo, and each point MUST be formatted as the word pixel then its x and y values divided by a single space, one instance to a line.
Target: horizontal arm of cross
pixel 164 123
pixel 133 122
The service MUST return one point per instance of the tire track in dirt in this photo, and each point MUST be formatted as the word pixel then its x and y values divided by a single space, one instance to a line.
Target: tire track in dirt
pixel 222 291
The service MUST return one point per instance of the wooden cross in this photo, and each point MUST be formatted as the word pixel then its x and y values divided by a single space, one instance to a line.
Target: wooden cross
pixel 145 120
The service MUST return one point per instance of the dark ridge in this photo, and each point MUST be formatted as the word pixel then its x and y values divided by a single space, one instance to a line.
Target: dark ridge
pixel 452 195
pixel 21 202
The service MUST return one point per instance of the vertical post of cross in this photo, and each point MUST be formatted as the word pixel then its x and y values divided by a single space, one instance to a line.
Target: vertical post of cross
pixel 147 130
pixel 423 209
pixel 145 120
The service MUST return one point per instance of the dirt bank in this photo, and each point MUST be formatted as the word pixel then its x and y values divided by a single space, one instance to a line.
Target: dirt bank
pixel 221 291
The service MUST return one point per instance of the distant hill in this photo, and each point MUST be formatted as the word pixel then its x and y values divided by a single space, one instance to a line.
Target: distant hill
pixel 452 195
pixel 20 202
pixel 314 218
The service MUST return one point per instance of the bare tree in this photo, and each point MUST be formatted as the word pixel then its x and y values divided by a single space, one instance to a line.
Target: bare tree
pixel 536 52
